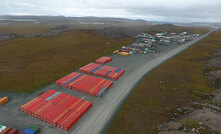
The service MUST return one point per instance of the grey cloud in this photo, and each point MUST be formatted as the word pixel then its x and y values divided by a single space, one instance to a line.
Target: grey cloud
pixel 169 10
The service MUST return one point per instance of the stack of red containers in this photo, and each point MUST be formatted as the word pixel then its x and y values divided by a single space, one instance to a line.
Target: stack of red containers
pixel 103 71
pixel 57 109
pixel 103 60
pixel 89 68
pixel 85 83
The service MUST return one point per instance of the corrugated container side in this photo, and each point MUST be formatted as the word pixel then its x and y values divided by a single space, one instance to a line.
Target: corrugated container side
pixel 47 94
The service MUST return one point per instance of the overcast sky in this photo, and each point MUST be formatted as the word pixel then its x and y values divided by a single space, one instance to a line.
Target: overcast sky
pixel 153 10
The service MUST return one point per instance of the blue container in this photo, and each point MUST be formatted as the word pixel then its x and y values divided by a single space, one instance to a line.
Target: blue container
pixel 118 70
pixel 111 68
pixel 101 93
pixel 97 69
pixel 28 131
pixel 52 96
pixel 107 74
pixel 73 79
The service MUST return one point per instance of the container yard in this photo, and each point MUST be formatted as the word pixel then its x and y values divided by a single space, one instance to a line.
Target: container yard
pixel 103 71
pixel 59 110
pixel 85 84
pixel 103 60
pixel 56 108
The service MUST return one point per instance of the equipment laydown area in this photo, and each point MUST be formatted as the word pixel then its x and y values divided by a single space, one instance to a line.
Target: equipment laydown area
pixel 84 101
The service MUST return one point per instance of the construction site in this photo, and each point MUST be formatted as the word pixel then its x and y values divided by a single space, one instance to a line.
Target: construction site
pixel 85 100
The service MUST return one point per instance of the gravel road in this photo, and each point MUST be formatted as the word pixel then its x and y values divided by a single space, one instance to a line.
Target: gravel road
pixel 100 115
pixel 99 119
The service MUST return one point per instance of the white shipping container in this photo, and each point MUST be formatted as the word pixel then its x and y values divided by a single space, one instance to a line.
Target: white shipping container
pixel 2 128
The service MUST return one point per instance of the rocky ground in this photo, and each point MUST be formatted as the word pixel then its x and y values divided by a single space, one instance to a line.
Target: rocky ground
pixel 202 117
pixel 109 31
pixel 49 33
pixel 119 32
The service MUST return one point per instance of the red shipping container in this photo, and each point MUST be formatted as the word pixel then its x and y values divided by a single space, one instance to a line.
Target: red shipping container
pixel 27 109
pixel 58 99
pixel 61 115
pixel 54 116
pixel 29 103
pixel 68 120
pixel 47 94
pixel 36 108
pixel 13 131
pixel 6 130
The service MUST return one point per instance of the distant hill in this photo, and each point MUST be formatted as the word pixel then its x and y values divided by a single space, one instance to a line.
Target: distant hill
pixel 207 23
pixel 106 27
pixel 99 19
pixel 69 19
